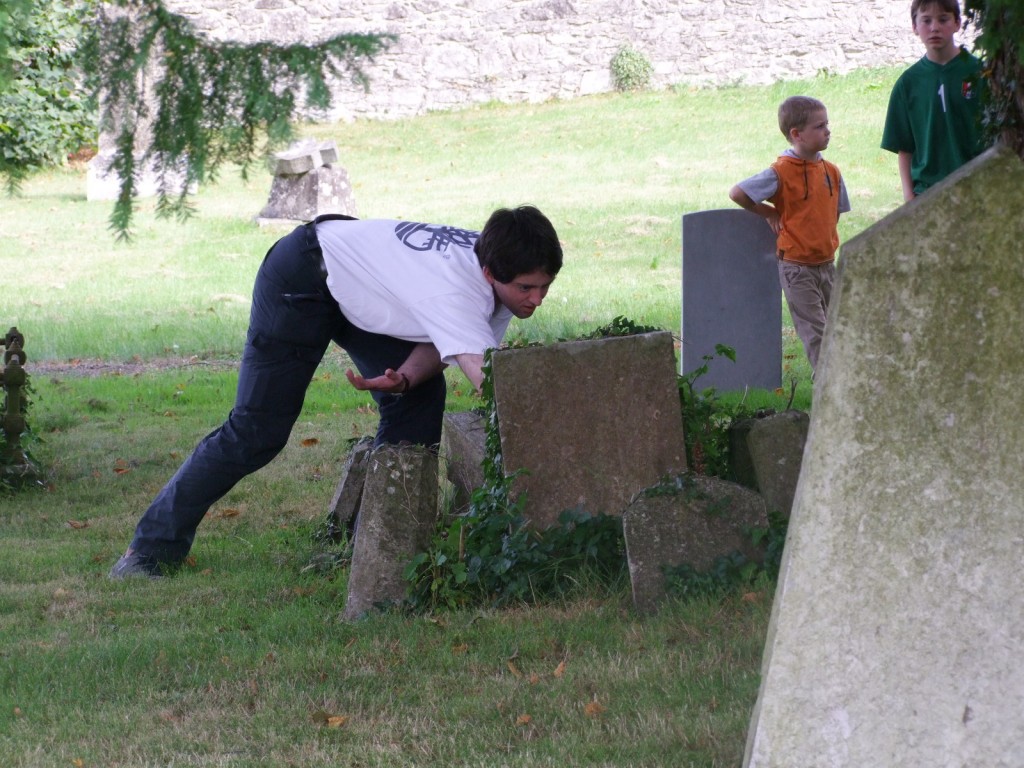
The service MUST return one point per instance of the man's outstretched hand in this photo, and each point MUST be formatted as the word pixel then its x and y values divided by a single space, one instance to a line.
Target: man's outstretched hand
pixel 392 382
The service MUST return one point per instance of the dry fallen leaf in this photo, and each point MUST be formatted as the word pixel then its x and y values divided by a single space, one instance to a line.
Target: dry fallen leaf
pixel 310 441
pixel 594 708
pixel 523 719
pixel 326 719
pixel 560 669
pixel 77 524
pixel 460 648
pixel 229 512
pixel 514 669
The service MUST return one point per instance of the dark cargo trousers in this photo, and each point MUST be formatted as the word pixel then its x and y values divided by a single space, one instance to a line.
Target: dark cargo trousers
pixel 293 319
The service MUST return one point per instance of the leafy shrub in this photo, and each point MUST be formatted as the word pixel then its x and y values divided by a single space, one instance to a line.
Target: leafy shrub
pixel 44 115
pixel 631 70
pixel 1001 43
pixel 706 420
pixel 491 555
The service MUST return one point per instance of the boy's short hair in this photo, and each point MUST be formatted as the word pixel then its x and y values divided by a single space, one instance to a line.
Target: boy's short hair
pixel 515 241
pixel 949 6
pixel 795 111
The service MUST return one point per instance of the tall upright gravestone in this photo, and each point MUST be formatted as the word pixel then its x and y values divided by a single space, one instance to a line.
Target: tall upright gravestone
pixel 898 625
pixel 731 296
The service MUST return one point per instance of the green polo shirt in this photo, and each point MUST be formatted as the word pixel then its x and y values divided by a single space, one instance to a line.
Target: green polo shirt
pixel 935 115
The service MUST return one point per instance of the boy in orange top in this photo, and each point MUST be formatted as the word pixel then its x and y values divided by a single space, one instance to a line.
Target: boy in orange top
pixel 801 196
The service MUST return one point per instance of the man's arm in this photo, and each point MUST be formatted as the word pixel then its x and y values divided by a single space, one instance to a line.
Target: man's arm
pixel 903 160
pixel 424 362
pixel 473 367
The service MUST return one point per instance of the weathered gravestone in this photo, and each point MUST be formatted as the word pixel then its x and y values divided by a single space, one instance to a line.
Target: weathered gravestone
pixel 396 520
pixel 343 510
pixel 308 183
pixel 896 634
pixel 766 454
pixel 731 296
pixel 611 427
pixel 688 520
pixel 463 447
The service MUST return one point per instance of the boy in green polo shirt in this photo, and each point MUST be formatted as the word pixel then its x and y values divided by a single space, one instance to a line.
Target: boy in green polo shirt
pixel 934 118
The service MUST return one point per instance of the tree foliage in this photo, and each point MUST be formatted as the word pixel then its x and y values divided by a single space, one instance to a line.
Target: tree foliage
pixel 1001 43
pixel 212 102
pixel 43 113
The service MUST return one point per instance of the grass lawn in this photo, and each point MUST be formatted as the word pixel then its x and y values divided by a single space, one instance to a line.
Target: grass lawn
pixel 241 660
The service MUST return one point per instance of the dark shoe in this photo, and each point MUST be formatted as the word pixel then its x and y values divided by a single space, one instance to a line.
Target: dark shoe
pixel 133 563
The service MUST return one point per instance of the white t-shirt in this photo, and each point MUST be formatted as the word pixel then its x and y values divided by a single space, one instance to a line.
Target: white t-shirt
pixel 418 282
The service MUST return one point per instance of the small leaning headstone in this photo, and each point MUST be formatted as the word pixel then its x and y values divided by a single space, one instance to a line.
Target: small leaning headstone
pixel 396 521
pixel 344 507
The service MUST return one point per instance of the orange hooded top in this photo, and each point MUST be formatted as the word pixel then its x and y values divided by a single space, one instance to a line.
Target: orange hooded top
pixel 808 203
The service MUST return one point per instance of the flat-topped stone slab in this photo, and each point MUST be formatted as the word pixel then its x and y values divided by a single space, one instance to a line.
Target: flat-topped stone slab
pixel 303 157
pixel 731 295
pixel 590 423
pixel 896 633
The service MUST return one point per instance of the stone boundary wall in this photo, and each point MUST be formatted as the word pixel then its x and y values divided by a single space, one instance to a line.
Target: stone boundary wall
pixel 457 53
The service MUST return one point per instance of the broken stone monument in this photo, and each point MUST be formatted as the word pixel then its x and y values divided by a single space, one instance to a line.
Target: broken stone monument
pixel 766 454
pixel 896 633
pixel 308 183
pixel 344 507
pixel 692 520
pixel 611 428
pixel 396 521
pixel 731 296
pixel 463 444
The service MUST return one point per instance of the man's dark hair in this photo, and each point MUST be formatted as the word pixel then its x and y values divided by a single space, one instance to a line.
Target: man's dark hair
pixel 515 241
pixel 949 6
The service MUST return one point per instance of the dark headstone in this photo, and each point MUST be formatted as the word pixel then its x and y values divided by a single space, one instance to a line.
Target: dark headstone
pixel 731 296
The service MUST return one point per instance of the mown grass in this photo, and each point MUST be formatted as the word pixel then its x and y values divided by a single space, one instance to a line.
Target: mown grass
pixel 241 658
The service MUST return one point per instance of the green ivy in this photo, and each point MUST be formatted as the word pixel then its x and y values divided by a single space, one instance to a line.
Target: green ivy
pixel 706 420
pixel 44 115
pixel 491 555
pixel 631 70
